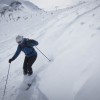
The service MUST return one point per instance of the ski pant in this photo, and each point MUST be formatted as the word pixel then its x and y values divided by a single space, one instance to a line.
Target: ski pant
pixel 28 61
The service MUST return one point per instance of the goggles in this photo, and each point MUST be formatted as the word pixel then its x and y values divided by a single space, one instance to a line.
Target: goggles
pixel 19 42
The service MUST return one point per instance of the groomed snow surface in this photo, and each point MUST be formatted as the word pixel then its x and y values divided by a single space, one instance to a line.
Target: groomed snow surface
pixel 71 37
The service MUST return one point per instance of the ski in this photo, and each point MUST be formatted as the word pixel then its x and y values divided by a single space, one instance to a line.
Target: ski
pixel 29 84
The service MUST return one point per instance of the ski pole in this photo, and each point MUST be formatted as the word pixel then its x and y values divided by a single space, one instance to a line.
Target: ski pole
pixel 44 54
pixel 6 83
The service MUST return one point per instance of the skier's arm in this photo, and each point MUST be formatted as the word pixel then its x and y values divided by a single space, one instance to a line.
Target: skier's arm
pixel 16 53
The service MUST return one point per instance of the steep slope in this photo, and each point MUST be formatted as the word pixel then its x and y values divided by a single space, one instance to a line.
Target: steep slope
pixel 70 36
pixel 76 39
pixel 15 10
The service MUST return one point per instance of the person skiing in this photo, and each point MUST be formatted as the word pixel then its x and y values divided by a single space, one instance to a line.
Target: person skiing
pixel 26 45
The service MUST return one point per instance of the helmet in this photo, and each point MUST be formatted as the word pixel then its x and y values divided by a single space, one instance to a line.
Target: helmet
pixel 19 39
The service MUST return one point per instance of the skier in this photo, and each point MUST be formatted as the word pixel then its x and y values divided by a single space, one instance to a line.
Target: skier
pixel 26 45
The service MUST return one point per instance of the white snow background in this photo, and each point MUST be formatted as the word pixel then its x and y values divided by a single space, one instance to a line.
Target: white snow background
pixel 69 36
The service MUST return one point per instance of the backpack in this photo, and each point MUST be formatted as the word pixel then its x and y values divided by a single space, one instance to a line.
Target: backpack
pixel 27 43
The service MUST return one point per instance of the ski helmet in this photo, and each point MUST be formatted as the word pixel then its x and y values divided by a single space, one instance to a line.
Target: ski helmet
pixel 19 39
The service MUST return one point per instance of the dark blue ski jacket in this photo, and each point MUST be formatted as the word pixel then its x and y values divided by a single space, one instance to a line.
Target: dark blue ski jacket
pixel 27 47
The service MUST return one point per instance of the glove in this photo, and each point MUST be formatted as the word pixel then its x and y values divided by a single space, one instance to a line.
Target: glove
pixel 10 60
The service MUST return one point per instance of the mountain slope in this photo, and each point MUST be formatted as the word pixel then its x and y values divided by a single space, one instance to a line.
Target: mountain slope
pixel 8 2
pixel 31 6
pixel 71 37
pixel 15 10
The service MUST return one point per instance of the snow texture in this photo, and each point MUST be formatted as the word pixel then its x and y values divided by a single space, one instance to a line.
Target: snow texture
pixel 69 36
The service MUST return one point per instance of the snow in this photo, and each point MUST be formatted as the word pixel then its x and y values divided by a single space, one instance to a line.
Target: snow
pixel 9 1
pixel 70 37
pixel 31 6
pixel 56 4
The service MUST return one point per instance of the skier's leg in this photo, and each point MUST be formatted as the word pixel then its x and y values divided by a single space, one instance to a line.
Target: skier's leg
pixel 25 66
pixel 30 62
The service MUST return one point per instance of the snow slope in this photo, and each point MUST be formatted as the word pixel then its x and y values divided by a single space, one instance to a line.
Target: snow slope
pixel 8 2
pixel 71 37
pixel 49 5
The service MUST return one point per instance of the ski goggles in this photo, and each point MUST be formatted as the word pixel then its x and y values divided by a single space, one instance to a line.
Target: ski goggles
pixel 19 42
